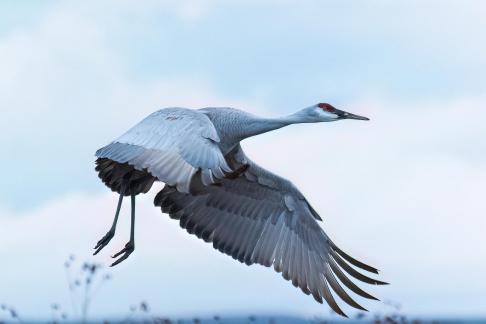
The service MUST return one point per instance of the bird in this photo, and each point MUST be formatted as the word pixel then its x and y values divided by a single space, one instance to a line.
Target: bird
pixel 218 194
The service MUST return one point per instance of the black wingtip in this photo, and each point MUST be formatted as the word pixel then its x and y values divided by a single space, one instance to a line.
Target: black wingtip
pixel 347 282
pixel 343 314
pixel 352 272
pixel 341 292
pixel 352 260
pixel 338 311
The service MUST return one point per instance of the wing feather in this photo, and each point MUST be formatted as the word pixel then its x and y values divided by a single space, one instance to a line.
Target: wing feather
pixel 172 144
pixel 261 218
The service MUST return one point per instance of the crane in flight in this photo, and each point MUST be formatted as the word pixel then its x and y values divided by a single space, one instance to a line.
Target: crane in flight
pixel 217 193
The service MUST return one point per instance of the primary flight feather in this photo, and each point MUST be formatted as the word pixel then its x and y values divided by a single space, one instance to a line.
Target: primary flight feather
pixel 217 193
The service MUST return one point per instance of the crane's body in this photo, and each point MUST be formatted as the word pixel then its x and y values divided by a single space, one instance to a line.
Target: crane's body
pixel 220 195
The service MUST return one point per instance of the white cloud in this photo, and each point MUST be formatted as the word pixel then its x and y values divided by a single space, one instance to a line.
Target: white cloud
pixel 403 192
pixel 65 91
pixel 176 273
pixel 389 194
pixel 65 74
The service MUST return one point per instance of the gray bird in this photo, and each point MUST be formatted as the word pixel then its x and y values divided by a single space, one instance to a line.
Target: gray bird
pixel 217 193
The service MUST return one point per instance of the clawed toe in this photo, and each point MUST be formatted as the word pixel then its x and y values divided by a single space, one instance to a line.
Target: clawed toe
pixel 104 241
pixel 126 251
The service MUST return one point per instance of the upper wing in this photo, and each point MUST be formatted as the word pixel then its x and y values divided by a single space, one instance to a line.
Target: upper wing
pixel 172 144
pixel 262 218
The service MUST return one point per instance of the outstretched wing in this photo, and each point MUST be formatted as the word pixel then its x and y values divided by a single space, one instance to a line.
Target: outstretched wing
pixel 172 144
pixel 262 218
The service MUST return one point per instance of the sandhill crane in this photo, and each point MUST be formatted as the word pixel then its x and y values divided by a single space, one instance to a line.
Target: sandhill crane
pixel 217 193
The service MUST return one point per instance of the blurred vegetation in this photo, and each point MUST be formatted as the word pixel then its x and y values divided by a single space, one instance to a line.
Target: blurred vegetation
pixel 85 279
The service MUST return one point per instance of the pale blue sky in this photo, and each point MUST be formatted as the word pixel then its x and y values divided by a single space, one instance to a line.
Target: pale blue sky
pixel 75 75
pixel 282 57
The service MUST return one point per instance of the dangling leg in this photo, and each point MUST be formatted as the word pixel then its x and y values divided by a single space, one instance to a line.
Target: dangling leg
pixel 108 236
pixel 130 246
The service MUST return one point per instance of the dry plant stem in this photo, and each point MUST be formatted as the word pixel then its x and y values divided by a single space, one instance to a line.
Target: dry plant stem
pixel 72 295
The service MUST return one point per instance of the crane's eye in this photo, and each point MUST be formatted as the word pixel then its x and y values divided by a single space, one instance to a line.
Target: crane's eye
pixel 326 107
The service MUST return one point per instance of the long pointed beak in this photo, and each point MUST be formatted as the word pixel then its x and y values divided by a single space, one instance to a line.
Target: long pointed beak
pixel 352 116
pixel 346 115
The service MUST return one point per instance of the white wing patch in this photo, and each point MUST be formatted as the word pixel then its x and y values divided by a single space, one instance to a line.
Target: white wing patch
pixel 172 144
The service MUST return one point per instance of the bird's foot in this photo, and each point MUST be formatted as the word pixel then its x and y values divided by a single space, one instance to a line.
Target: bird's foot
pixel 104 241
pixel 236 173
pixel 126 251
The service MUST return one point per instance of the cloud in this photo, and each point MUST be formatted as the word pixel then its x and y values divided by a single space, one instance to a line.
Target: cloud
pixel 393 192
pixel 402 192
pixel 65 91
pixel 176 273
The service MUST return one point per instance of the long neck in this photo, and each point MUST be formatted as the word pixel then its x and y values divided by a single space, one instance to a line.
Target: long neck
pixel 262 125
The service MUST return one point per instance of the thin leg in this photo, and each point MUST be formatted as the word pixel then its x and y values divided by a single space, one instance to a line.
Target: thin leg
pixel 108 236
pixel 132 222
pixel 130 246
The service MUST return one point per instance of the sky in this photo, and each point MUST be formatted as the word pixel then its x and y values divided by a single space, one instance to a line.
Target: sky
pixel 403 192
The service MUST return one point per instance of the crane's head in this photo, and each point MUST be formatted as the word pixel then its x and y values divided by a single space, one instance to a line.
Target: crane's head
pixel 326 113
